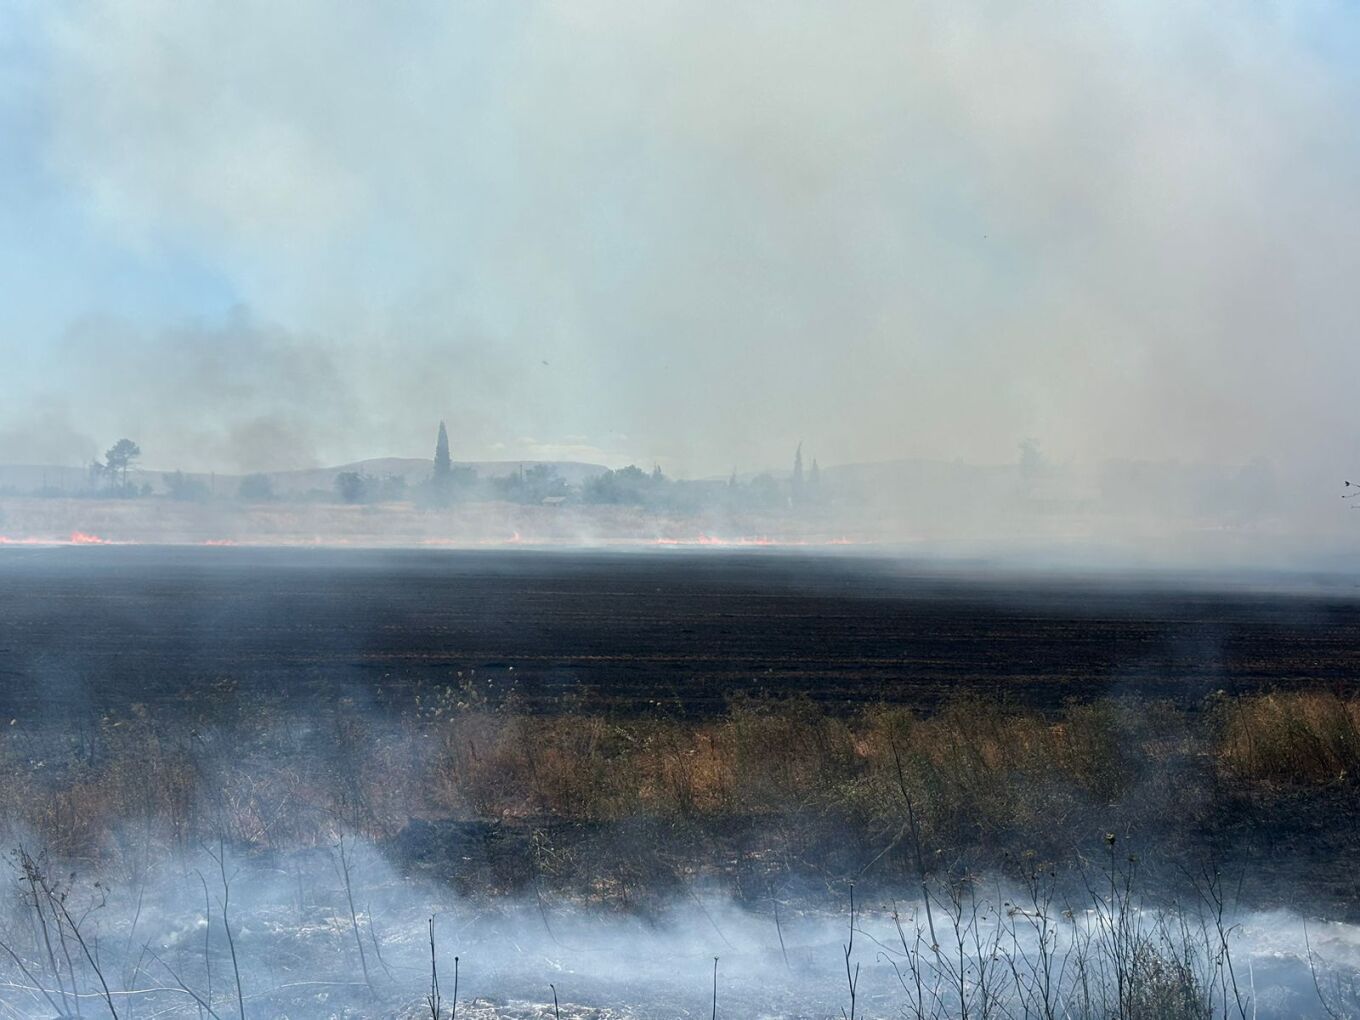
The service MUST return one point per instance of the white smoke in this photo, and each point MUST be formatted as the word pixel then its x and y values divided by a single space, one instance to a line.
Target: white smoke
pixel 314 934
pixel 899 230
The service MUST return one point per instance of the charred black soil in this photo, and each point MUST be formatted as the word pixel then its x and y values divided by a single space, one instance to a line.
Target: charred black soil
pixel 612 726
pixel 109 627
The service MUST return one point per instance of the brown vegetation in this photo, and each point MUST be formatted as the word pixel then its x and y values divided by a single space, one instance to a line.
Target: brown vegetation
pixel 770 788
pixel 1286 741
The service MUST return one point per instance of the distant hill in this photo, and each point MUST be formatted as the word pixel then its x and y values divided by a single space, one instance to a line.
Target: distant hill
pixel 28 478
pixel 416 470
pixel 32 477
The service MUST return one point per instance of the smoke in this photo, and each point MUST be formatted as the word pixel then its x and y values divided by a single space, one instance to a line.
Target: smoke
pixel 277 768
pixel 47 434
pixel 259 236
pixel 241 394
pixel 337 931
pixel 891 230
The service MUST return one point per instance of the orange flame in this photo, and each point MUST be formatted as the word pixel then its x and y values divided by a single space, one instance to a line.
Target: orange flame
pixel 748 541
pixel 714 540
pixel 84 538
pixel 515 539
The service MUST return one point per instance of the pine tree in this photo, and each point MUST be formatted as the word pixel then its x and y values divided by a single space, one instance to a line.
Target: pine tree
pixel 797 485
pixel 120 458
pixel 443 466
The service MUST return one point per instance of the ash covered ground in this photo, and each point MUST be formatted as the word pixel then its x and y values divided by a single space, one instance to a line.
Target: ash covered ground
pixel 108 626
pixel 339 933
pixel 339 925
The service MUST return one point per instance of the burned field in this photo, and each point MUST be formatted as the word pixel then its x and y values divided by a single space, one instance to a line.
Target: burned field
pixel 104 628
pixel 709 710
pixel 582 762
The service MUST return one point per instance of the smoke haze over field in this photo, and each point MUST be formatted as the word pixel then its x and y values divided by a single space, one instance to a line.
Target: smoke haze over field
pixel 256 237
pixel 1055 285
pixel 295 942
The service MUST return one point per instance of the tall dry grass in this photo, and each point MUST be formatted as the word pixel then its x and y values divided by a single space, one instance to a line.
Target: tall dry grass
pixel 1292 739
pixel 787 779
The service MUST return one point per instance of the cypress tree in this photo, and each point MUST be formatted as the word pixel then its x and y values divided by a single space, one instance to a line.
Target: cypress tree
pixel 443 465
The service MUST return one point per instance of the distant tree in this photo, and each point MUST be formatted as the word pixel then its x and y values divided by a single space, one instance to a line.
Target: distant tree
pixel 460 483
pixel 1031 460
pixel 630 485
pixel 180 486
pixel 443 464
pixel 544 478
pixel 509 487
pixel 256 489
pixel 530 485
pixel 764 491
pixel 351 486
pixel 815 475
pixel 796 483
pixel 120 457
pixel 392 488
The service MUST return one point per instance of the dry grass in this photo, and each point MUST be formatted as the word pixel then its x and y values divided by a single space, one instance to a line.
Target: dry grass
pixel 1290 739
pixel 768 779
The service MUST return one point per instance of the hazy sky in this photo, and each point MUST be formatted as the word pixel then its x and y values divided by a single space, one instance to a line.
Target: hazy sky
pixel 283 234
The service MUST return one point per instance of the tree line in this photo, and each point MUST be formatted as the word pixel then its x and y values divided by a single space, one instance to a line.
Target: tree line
pixel 449 483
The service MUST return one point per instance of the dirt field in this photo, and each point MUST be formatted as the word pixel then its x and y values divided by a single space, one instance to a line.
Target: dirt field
pixel 400 525
pixel 105 627
pixel 283 707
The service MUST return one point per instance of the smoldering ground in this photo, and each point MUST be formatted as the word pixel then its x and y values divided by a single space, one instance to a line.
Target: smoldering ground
pixel 337 931
pixel 121 625
pixel 620 852
pixel 160 861
pixel 690 234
